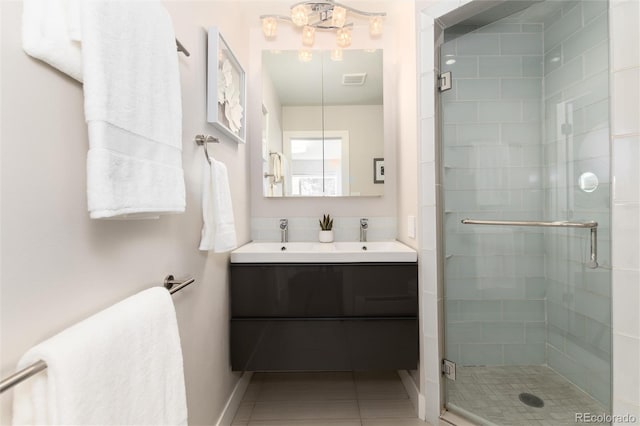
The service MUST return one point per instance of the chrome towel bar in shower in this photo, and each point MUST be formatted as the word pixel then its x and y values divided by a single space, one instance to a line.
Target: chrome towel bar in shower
pixel 38 366
pixel 593 226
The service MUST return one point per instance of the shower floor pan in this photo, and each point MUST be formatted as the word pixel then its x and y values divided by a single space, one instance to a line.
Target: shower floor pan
pixel 490 395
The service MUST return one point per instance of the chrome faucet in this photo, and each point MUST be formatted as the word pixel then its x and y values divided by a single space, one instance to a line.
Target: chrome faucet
pixel 284 230
pixel 364 225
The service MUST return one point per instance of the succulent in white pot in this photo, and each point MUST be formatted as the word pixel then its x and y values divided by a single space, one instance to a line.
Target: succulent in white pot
pixel 326 229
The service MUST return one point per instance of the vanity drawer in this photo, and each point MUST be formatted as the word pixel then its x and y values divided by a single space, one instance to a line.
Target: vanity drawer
pixel 324 290
pixel 331 344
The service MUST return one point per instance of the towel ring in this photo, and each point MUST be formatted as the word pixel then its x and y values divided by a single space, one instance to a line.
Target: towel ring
pixel 204 140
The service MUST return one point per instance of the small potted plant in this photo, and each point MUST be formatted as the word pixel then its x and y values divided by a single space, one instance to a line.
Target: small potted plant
pixel 326 229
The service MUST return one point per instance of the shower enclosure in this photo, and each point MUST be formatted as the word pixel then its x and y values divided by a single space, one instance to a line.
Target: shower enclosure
pixel 524 141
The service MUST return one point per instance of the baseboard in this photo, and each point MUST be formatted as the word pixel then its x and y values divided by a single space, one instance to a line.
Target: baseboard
pixel 231 407
pixel 414 393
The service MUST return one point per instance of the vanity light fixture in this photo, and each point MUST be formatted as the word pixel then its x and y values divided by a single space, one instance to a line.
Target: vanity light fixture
pixel 325 15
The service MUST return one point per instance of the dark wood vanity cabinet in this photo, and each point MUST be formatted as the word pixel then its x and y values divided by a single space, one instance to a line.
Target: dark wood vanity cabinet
pixel 340 316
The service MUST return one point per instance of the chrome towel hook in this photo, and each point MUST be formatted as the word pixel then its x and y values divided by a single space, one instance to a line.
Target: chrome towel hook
pixel 204 140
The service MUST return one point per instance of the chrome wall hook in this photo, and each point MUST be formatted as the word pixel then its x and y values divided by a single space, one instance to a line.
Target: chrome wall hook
pixel 204 140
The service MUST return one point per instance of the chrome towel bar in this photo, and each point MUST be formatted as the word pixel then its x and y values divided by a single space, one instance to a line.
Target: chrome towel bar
pixel 38 366
pixel 593 226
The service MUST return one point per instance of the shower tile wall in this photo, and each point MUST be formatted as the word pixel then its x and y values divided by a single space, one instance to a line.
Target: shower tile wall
pixel 493 168
pixel 576 95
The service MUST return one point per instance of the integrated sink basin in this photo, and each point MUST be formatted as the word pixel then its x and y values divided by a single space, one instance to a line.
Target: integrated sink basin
pixel 337 252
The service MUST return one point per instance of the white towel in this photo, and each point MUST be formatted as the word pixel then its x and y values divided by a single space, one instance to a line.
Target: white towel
pixel 276 166
pixel 218 231
pixel 132 102
pixel 122 366
pixel 51 33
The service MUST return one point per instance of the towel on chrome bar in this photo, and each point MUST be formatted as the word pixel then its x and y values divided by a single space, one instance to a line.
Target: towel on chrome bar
pixel 131 97
pixel 219 229
pixel 121 366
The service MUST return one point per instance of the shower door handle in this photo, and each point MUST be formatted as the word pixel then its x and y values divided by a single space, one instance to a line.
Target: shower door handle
pixel 593 226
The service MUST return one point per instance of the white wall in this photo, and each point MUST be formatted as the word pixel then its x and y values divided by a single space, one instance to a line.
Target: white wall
pixel 58 266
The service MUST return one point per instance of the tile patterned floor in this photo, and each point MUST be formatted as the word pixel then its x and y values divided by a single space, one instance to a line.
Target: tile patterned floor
pixel 326 399
pixel 492 394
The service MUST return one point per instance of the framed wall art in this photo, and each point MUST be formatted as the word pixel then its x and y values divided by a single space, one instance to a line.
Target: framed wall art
pixel 226 89
pixel 378 170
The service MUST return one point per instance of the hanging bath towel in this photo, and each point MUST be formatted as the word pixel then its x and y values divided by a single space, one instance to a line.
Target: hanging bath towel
pixel 219 230
pixel 132 97
pixel 121 366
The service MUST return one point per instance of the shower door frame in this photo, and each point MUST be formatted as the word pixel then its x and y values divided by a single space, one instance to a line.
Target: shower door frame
pixel 432 402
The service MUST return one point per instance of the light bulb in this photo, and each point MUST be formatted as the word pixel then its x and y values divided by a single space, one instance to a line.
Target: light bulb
pixel 269 26
pixel 338 16
pixel 336 54
pixel 305 55
pixel 343 38
pixel 299 15
pixel 375 25
pixel 308 35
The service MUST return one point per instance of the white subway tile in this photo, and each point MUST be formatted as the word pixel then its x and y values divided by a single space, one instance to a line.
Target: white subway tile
pixel 427 147
pixel 592 9
pixel 626 299
pixel 564 76
pixel 625 34
pixel 553 59
pixel 428 180
pixel 429 228
pixel 626 373
pixel 499 111
pixel 562 28
pixel 426 49
pixel 460 112
pixel 521 44
pixel 440 8
pixel 532 66
pixel 626 236
pixel 469 90
pixel 590 35
pixel 478 44
pixel 626 103
pixel 528 88
pixel 596 60
pixel 427 82
pixel 626 169
pixel 500 66
pixel 471 134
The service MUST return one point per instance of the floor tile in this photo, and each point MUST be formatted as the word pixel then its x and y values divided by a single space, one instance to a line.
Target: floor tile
pixel 394 422
pixel 325 422
pixel 493 393
pixel 386 409
pixel 380 385
pixel 308 387
pixel 305 410
pixel 243 414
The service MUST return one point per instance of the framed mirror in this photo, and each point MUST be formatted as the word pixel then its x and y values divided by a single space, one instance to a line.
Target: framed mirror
pixel 325 124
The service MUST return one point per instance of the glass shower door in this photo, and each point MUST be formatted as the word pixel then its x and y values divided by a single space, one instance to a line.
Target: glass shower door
pixel 524 137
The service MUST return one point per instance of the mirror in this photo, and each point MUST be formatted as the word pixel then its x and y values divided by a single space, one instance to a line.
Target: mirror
pixel 323 124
